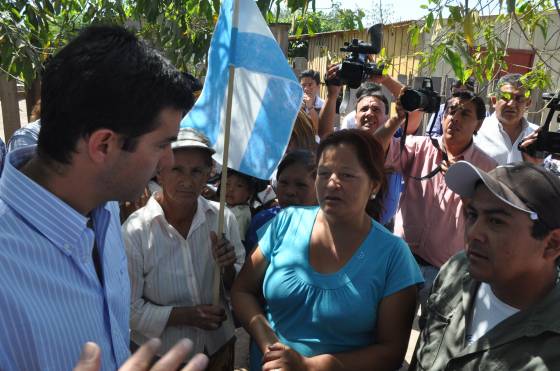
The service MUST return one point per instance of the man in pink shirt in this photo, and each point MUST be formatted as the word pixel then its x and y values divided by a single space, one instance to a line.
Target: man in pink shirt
pixel 429 218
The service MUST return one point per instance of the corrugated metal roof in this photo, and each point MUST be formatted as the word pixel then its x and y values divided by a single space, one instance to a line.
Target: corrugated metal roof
pixel 319 34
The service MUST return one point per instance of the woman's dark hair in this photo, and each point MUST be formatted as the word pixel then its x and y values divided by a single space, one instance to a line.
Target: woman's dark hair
pixel 301 157
pixel 370 155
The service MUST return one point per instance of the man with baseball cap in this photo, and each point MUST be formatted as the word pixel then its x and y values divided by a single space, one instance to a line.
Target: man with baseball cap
pixel 171 247
pixel 495 306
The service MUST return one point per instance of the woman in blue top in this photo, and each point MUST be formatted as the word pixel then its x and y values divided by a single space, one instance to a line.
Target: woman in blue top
pixel 339 289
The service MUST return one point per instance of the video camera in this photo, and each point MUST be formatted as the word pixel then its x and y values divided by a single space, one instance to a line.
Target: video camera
pixel 425 99
pixel 547 142
pixel 355 68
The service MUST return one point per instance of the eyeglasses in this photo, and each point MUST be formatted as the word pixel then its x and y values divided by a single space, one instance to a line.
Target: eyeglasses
pixel 507 97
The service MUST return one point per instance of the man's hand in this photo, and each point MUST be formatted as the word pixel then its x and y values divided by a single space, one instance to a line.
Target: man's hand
pixel 223 251
pixel 207 316
pixel 308 102
pixel 332 90
pixel 90 359
pixel 527 141
pixel 282 357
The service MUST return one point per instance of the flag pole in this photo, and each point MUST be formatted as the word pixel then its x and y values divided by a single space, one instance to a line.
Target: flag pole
pixel 217 279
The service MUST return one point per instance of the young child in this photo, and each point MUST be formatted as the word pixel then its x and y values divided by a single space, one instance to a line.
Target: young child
pixel 239 191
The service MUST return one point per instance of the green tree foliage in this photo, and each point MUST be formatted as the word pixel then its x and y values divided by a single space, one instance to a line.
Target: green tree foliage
pixel 32 30
pixel 473 40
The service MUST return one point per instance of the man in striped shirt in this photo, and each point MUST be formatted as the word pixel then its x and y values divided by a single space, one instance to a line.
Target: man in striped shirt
pixel 111 106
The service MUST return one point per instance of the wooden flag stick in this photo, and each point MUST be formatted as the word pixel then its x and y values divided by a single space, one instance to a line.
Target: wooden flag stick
pixel 223 184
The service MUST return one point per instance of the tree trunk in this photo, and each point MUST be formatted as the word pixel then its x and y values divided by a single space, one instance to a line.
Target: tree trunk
pixel 32 95
pixel 10 106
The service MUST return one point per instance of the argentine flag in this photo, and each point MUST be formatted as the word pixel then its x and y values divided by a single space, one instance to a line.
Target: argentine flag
pixel 266 94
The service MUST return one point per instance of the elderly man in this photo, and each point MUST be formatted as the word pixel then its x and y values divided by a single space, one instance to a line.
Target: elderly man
pixel 495 306
pixel 428 218
pixel 171 248
pixel 111 107
pixel 506 128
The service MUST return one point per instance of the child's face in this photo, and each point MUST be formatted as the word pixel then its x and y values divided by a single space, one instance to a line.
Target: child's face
pixel 237 192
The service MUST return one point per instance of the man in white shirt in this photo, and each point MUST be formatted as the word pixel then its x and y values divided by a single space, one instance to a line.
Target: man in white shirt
pixel 172 249
pixel 495 306
pixel 312 102
pixel 507 127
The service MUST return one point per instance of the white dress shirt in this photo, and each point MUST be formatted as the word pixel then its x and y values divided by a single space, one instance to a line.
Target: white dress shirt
pixel 167 270
pixel 349 121
pixel 496 143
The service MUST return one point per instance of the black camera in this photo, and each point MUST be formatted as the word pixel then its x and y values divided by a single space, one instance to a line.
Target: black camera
pixel 425 99
pixel 547 142
pixel 355 68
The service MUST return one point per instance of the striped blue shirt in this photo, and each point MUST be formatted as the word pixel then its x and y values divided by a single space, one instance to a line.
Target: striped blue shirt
pixel 51 300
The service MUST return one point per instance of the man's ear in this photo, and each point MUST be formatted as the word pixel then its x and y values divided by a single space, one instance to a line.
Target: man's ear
pixel 552 248
pixel 528 103
pixel 102 143
pixel 478 125
pixel 493 100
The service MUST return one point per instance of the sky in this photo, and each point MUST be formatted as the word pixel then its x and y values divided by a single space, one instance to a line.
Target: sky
pixel 402 10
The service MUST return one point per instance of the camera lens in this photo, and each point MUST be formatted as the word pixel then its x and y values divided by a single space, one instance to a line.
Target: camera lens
pixel 413 99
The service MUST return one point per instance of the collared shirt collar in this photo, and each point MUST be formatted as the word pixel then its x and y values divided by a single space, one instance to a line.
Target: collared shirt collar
pixel 153 211
pixel 56 220
pixel 524 123
pixel 467 152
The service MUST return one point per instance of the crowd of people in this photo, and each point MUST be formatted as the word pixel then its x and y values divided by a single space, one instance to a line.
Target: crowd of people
pixel 109 220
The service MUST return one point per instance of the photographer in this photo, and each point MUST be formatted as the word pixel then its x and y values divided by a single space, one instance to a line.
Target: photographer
pixel 435 129
pixel 328 112
pixel 429 217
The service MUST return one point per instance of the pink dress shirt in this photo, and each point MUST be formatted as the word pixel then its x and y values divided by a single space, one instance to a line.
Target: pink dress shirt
pixel 429 217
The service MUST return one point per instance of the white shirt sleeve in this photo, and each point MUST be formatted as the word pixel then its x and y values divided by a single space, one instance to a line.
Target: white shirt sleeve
pixel 145 317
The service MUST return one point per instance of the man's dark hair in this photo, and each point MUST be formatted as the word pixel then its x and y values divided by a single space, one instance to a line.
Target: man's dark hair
pixel 513 79
pixel 471 97
pixel 371 89
pixel 312 74
pixel 105 78
pixel 469 84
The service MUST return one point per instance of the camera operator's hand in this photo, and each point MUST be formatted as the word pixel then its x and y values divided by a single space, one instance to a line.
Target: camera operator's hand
pixel 527 141
pixel 328 112
pixel 331 75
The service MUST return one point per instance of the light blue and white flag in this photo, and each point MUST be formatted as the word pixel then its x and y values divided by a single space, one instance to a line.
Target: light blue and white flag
pixel 266 94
